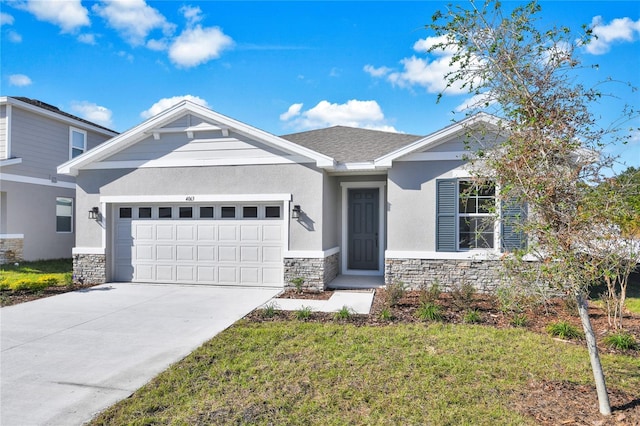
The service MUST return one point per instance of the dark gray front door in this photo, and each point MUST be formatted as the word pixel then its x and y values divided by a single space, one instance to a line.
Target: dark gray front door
pixel 363 228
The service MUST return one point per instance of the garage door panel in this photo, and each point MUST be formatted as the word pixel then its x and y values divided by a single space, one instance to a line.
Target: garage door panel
pixel 199 251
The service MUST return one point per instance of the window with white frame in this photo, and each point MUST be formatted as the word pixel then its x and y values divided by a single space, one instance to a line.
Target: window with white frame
pixel 476 210
pixel 64 214
pixel 77 142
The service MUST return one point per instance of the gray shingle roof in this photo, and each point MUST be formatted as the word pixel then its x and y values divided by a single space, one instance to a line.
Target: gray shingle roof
pixel 350 144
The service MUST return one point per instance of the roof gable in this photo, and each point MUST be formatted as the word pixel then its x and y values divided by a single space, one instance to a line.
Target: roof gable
pixel 188 134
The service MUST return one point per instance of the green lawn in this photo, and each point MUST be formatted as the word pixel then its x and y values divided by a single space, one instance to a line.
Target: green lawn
pixel 35 276
pixel 292 372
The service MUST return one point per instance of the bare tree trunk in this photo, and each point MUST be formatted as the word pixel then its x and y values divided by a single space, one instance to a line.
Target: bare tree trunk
pixel 596 366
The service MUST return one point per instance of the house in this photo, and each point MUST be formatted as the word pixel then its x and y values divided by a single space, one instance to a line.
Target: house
pixel 193 196
pixel 36 203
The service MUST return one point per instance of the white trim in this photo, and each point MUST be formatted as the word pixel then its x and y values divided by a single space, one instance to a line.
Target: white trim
pixel 8 117
pixel 436 156
pixel 311 254
pixel 36 181
pixel 345 226
pixel 54 115
pixel 12 236
pixel 442 255
pixel 10 162
pixel 181 109
pixel 241 161
pixel 88 250
pixel 83 133
pixel 196 198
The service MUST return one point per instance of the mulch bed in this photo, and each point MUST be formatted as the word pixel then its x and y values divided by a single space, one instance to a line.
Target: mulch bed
pixel 10 297
pixel 549 403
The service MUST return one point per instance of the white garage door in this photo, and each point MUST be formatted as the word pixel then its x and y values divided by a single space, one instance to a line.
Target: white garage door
pixel 214 244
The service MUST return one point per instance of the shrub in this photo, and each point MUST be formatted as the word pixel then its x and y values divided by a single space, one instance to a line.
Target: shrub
pixel 298 283
pixel 344 313
pixel 430 312
pixel 564 330
pixel 462 294
pixel 509 299
pixel 519 320
pixel 430 294
pixel 395 292
pixel 621 340
pixel 269 310
pixel 472 316
pixel 304 313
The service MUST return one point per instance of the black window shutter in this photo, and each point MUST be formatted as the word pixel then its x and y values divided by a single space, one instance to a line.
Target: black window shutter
pixel 446 201
pixel 513 215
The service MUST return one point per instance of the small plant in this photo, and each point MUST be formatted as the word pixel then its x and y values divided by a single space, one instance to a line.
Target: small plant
pixel 304 313
pixel 462 295
pixel 269 310
pixel 429 312
pixel 519 320
pixel 621 341
pixel 472 316
pixel 430 294
pixel 564 330
pixel 386 314
pixel 395 292
pixel 345 313
pixel 298 283
pixel 509 300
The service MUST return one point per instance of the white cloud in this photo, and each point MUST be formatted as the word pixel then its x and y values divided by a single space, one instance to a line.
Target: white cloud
pixel 6 19
pixel 92 112
pixel 193 15
pixel 133 19
pixel 14 37
pixel 157 45
pixel 353 113
pixel 165 103
pixel 198 45
pixel 479 101
pixel 69 15
pixel 19 80
pixel 376 72
pixel 126 55
pixel 618 30
pixel 87 39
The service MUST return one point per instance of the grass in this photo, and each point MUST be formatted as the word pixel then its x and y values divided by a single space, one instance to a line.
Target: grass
pixel 36 276
pixel 333 374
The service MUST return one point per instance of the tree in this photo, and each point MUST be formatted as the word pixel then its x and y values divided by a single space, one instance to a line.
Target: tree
pixel 549 151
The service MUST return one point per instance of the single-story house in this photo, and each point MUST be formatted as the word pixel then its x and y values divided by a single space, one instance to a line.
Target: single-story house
pixel 193 196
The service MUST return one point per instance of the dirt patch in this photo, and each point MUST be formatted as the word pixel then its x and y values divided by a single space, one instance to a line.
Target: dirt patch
pixel 9 297
pixel 549 403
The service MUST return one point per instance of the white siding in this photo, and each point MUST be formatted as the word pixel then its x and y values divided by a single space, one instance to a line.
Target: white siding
pixel 3 132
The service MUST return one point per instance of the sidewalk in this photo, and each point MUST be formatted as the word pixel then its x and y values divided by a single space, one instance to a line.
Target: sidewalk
pixel 357 301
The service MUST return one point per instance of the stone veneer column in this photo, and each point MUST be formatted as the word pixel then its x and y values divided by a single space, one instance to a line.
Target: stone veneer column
pixel 485 275
pixel 316 272
pixel 11 250
pixel 89 268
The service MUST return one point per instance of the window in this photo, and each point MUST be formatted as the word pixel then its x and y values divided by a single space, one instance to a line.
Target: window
pixel 249 212
pixel 228 212
pixel 206 212
pixel 125 213
pixel 164 212
pixel 77 142
pixel 272 212
pixel 185 212
pixel 144 213
pixel 476 206
pixel 64 214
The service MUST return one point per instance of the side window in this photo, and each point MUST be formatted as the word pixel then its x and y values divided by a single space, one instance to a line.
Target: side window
pixel 64 214
pixel 77 142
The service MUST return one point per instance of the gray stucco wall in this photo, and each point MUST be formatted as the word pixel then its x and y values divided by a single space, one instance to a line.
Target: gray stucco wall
pixel 3 131
pixel 411 203
pixel 31 210
pixel 303 182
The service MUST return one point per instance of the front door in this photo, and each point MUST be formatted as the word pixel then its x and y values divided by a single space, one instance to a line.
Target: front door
pixel 363 228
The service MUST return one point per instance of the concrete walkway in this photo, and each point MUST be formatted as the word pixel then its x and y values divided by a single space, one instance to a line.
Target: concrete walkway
pixel 357 301
pixel 67 357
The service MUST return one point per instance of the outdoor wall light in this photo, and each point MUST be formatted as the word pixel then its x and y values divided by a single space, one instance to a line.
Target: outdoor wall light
pixel 295 213
pixel 93 213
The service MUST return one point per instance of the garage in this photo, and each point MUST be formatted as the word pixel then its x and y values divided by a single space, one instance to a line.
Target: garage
pixel 220 244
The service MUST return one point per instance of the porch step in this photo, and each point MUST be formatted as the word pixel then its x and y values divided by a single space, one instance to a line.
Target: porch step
pixel 353 282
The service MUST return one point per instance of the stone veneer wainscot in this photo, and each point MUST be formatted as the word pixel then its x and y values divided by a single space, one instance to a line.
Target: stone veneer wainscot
pixel 11 250
pixel 317 272
pixel 89 268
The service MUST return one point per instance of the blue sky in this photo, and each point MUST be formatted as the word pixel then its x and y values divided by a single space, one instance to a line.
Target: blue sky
pixel 280 66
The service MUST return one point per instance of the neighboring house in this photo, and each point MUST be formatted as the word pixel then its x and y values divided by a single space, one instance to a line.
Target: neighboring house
pixel 37 204
pixel 192 196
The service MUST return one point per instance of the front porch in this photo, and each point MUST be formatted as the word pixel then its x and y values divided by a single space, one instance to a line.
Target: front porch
pixel 356 282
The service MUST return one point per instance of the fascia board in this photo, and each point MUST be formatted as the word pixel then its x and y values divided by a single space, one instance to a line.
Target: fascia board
pixel 50 114
pixel 436 138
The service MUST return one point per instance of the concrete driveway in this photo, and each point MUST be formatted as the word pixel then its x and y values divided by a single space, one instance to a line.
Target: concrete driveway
pixel 67 357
